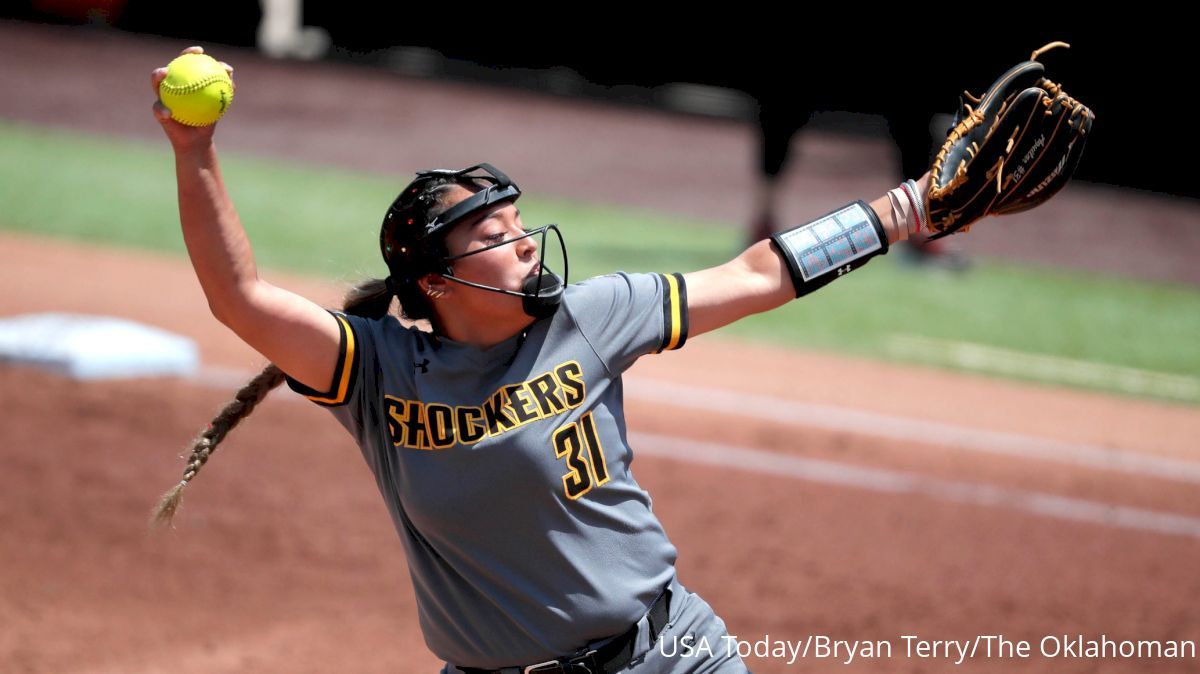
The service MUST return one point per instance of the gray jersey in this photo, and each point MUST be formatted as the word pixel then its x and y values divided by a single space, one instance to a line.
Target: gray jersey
pixel 507 470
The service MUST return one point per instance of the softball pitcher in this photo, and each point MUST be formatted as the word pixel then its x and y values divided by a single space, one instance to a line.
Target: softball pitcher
pixel 498 438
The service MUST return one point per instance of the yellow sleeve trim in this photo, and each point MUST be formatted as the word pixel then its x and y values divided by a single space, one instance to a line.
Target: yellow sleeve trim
pixel 675 319
pixel 344 369
pixel 673 289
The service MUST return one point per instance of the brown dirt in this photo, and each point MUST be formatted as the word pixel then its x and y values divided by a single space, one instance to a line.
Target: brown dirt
pixel 284 559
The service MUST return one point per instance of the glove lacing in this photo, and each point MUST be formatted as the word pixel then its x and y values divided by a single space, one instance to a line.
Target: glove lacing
pixel 974 118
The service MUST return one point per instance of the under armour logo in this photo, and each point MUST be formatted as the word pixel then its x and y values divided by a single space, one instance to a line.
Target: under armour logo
pixel 843 270
pixel 424 365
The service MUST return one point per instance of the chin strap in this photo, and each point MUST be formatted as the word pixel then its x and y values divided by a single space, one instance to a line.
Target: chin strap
pixel 540 294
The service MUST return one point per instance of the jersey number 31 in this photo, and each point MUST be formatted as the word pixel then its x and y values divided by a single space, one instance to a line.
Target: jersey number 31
pixel 580 444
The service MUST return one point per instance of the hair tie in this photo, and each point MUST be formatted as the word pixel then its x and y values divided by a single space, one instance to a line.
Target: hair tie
pixel 391 287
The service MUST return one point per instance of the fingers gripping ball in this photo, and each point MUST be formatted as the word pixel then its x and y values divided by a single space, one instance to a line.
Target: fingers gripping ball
pixel 197 90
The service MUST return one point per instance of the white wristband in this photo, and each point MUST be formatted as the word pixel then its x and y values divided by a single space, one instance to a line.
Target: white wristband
pixel 919 200
pixel 904 217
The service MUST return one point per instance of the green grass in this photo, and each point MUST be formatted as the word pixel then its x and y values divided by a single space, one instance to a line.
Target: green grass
pixel 324 221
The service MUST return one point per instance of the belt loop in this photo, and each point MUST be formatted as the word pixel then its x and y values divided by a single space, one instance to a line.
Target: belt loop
pixel 643 641
pixel 659 615
pixel 654 621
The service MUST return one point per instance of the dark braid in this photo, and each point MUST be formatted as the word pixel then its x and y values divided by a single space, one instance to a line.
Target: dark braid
pixel 243 404
pixel 369 299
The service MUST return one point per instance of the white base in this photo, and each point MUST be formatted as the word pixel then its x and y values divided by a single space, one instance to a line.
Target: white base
pixel 96 347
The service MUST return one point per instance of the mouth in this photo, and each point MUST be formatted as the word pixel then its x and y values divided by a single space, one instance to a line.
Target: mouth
pixel 534 272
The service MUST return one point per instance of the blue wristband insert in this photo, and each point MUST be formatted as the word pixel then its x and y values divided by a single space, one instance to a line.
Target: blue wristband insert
pixel 831 246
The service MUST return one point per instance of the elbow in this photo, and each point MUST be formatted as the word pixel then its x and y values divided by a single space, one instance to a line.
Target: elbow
pixel 230 309
pixel 222 312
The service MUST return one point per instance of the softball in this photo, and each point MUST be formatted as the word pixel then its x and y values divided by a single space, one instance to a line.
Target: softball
pixel 197 89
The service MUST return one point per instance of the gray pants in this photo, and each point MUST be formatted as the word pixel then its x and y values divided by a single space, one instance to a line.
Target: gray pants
pixel 691 643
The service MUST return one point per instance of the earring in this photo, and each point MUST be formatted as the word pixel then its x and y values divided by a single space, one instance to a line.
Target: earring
pixel 435 293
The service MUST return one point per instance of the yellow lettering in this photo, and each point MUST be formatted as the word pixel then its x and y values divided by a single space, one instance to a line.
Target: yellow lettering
pixel 495 410
pixel 545 392
pixel 441 425
pixel 523 406
pixel 570 379
pixel 469 422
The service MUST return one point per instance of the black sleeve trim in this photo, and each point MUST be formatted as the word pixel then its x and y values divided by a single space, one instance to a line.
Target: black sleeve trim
pixel 344 375
pixel 675 313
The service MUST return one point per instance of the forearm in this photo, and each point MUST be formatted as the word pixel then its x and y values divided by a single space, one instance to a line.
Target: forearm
pixel 216 242
pixel 883 209
pixel 760 280
pixel 902 211
pixel 751 283
pixel 764 276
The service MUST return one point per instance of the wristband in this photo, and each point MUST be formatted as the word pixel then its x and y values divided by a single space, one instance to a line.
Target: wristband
pixel 831 246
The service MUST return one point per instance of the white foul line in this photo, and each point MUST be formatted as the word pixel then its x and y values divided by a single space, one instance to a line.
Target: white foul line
pixel 1042 367
pixel 833 418
pixel 898 482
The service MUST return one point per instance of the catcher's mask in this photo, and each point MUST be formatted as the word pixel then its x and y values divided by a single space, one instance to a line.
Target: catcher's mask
pixel 413 246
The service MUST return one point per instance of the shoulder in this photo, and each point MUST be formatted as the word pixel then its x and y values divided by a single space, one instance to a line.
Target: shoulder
pixel 629 314
pixel 604 280
pixel 380 334
pixel 617 284
pixel 628 290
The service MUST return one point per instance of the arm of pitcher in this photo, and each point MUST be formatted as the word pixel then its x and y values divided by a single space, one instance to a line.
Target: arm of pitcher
pixel 797 261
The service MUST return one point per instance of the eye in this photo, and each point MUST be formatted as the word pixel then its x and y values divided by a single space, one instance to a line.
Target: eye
pixel 495 238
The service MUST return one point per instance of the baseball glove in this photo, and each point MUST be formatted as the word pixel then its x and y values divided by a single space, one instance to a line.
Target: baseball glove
pixel 1013 151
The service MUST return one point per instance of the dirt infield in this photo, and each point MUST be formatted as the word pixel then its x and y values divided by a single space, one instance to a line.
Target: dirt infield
pixel 284 559
pixel 833 496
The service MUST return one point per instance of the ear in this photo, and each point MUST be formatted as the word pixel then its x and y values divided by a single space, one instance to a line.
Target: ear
pixel 433 286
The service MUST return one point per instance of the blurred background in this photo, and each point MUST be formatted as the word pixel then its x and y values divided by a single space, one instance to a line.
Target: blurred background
pixel 996 435
pixel 725 65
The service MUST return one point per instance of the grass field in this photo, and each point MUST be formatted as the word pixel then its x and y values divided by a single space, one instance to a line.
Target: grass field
pixel 325 222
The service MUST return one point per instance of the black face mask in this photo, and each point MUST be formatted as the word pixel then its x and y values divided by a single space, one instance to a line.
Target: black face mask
pixel 541 294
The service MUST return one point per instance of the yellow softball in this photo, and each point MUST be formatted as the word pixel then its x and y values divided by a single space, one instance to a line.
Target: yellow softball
pixel 197 89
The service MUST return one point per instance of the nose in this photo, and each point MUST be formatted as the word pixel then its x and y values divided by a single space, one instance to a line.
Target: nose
pixel 527 245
